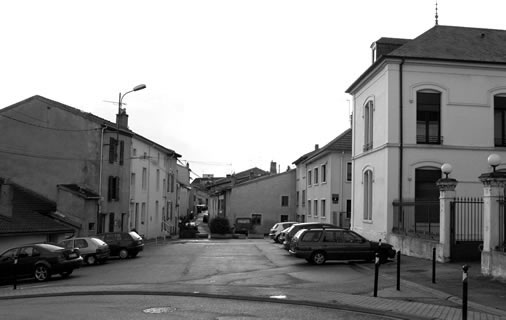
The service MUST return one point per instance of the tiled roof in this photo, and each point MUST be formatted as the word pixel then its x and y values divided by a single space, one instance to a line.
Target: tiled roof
pixel 456 43
pixel 80 191
pixel 30 215
pixel 449 43
pixel 340 143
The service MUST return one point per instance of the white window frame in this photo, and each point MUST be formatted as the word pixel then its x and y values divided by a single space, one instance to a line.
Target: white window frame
pixel 368 194
pixel 324 173
pixel 368 125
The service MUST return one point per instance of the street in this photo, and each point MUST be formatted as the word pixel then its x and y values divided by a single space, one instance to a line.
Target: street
pixel 240 268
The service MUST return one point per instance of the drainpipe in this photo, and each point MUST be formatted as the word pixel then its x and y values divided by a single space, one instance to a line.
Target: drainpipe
pixel 99 205
pixel 401 135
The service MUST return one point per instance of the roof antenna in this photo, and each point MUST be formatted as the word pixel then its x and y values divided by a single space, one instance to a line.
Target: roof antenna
pixel 436 14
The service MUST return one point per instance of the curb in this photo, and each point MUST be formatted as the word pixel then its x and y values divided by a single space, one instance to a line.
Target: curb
pixel 442 294
pixel 335 306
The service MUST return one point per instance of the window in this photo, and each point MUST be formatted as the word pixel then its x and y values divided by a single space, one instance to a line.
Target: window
pixel 121 152
pixel 298 198
pixel 132 179
pixel 157 179
pixel 283 218
pixel 368 195
pixel 111 222
pixel 113 188
pixel 348 209
pixel 256 219
pixel 324 173
pixel 284 201
pixel 134 152
pixel 311 236
pixel 309 177
pixel 500 121
pixel 303 198
pixel 348 171
pixel 368 125
pixel 143 212
pixel 144 178
pixel 428 114
pixel 309 207
pixel 316 175
pixel 81 243
pixel 315 208
pixel 323 207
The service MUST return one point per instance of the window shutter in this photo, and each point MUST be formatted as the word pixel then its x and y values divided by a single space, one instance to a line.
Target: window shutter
pixel 116 189
pixel 121 152
pixel 109 188
pixel 112 145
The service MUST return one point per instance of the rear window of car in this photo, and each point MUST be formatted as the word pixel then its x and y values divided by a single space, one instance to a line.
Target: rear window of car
pixel 50 247
pixel 311 236
pixel 134 235
pixel 97 241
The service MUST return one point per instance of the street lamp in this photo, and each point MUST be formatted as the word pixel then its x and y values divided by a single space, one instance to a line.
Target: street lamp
pixel 121 96
pixel 494 160
pixel 446 168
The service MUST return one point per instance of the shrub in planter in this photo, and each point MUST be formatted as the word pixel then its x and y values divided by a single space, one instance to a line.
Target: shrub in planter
pixel 219 225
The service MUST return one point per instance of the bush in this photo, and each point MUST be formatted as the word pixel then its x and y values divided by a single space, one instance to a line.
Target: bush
pixel 219 225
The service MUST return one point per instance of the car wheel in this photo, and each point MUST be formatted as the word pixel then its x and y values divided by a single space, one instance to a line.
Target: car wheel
pixel 41 272
pixel 91 260
pixel 66 274
pixel 318 258
pixel 123 254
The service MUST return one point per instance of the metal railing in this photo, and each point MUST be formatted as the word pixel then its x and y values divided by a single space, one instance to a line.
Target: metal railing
pixel 467 219
pixel 418 219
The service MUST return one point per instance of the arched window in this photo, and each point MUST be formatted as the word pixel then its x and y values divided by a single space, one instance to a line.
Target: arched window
pixel 368 125
pixel 428 117
pixel 500 120
pixel 368 179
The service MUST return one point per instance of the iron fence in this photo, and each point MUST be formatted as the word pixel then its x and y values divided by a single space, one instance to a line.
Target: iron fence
pixel 418 219
pixel 502 226
pixel 467 219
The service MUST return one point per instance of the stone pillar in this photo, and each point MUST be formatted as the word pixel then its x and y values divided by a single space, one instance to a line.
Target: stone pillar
pixel 446 196
pixel 493 191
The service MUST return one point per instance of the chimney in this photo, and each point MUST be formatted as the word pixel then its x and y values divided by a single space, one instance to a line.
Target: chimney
pixel 6 195
pixel 384 46
pixel 122 119
pixel 316 147
pixel 273 168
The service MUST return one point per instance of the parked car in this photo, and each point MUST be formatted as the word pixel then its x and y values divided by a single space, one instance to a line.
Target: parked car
pixel 320 245
pixel 276 230
pixel 93 250
pixel 39 261
pixel 304 225
pixel 123 244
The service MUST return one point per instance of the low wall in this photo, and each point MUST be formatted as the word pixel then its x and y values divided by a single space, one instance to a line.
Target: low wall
pixel 493 264
pixel 416 247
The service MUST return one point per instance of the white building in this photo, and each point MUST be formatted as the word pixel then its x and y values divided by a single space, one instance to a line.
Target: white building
pixel 439 98
pixel 323 183
pixel 153 194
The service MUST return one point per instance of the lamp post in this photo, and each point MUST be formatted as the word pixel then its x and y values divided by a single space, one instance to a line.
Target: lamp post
pixel 121 96
pixel 494 160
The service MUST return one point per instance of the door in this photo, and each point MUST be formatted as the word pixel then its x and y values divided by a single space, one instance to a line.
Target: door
pixel 27 257
pixel 356 247
pixel 6 264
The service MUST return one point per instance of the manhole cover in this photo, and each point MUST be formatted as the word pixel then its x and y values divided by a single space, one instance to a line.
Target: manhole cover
pixel 160 310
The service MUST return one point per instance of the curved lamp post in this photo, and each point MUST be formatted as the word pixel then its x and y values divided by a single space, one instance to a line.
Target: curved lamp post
pixel 121 96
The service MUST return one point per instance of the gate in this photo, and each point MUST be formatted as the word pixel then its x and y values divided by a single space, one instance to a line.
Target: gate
pixel 466 229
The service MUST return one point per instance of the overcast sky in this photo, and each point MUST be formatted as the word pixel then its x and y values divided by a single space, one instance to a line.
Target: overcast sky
pixel 231 85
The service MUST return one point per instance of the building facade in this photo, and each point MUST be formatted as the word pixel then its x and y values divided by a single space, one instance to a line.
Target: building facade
pixel 439 98
pixel 323 186
pixel 153 188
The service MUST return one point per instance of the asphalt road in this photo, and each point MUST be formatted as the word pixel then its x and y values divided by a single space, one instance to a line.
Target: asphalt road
pixel 257 268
